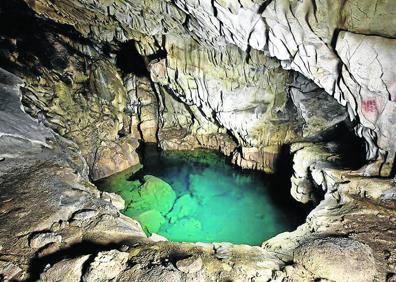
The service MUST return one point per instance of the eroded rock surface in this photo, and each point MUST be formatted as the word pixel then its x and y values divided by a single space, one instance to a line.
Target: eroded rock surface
pixel 247 78
pixel 303 35
pixel 47 201
pixel 202 92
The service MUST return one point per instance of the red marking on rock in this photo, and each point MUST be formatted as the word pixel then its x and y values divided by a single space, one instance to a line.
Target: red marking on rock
pixel 369 105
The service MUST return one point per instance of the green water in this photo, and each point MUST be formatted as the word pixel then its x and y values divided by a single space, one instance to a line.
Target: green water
pixel 198 196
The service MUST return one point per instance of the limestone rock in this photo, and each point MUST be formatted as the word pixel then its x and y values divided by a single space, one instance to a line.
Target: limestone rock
pixel 157 238
pixel 320 111
pixel 65 270
pixel 369 76
pixel 13 120
pixel 151 220
pixel 41 190
pixel 189 265
pixel 303 35
pixel 84 214
pixel 254 158
pixel 115 199
pixel 212 84
pixel 183 206
pixel 337 259
pixel 9 270
pixel 115 157
pixel 154 193
pixel 308 160
pixel 106 266
pixel 41 239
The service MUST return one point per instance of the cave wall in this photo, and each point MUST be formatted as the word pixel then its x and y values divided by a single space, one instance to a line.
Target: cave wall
pixel 248 78
pixel 319 39
pixel 114 80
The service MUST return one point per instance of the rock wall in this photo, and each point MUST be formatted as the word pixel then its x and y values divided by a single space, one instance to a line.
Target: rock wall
pixel 56 226
pixel 314 38
pixel 249 78
pixel 71 87
pixel 203 76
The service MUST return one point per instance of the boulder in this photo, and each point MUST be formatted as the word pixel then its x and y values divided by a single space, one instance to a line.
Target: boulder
pixel 151 220
pixel 106 266
pixel 153 194
pixel 184 206
pixel 337 259
pixel 190 265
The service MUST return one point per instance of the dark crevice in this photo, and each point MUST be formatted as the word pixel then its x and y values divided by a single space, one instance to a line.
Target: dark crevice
pixel 351 147
pixel 176 256
pixel 334 39
pixel 318 193
pixel 160 54
pixel 129 60
pixel 37 41
pixel 86 264
pixel 393 170
pixel 263 6
pixel 283 167
pixel 215 12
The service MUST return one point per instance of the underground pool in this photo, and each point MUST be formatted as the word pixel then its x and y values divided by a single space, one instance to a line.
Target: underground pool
pixel 198 196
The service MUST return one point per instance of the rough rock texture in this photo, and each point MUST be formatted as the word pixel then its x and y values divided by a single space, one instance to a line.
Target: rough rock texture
pixel 355 261
pixel 70 87
pixel 75 235
pixel 307 159
pixel 303 35
pixel 47 202
pixel 355 207
pixel 204 91
pixel 56 226
pixel 248 78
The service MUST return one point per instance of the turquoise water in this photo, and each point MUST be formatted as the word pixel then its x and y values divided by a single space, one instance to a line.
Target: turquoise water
pixel 197 196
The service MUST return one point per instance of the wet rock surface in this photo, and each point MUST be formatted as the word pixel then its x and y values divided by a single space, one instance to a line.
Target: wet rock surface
pixel 246 78
pixel 76 235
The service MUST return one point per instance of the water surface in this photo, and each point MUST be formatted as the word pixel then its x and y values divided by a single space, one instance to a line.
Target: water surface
pixel 211 201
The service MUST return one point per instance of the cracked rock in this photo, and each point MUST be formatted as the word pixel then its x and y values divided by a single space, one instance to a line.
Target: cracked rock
pixel 42 239
pixel 106 266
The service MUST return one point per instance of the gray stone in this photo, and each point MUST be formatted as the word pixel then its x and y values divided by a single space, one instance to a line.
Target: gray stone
pixel 106 266
pixel 190 265
pixel 337 259
pixel 42 239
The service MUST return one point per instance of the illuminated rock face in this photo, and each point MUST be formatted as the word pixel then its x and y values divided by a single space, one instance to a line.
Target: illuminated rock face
pixel 318 39
pixel 263 82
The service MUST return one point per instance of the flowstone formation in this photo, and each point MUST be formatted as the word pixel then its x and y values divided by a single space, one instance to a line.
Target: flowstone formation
pixel 302 88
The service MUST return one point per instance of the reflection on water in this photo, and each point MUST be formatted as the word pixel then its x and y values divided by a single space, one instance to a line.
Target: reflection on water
pixel 207 199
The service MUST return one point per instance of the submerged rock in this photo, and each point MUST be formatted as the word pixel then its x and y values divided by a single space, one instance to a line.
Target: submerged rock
pixel 184 206
pixel 153 194
pixel 185 227
pixel 151 220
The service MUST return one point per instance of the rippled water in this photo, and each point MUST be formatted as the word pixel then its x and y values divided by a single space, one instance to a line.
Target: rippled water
pixel 213 201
